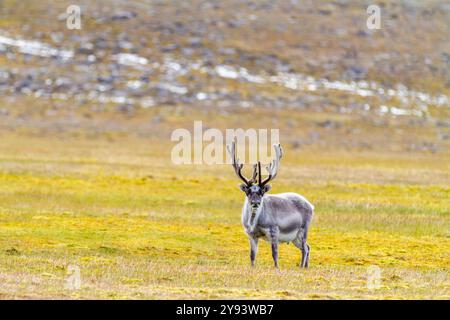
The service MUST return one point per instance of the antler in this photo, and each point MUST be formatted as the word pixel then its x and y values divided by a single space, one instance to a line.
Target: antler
pixel 238 166
pixel 272 168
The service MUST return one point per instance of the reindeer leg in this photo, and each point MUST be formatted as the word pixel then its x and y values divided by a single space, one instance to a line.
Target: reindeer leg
pixel 274 242
pixel 300 243
pixel 253 249
pixel 308 250
pixel 305 255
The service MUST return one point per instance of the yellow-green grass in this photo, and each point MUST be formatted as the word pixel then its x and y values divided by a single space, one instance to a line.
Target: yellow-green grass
pixel 138 226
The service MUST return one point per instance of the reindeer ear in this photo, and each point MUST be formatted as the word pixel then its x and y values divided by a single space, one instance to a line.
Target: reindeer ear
pixel 243 187
pixel 267 188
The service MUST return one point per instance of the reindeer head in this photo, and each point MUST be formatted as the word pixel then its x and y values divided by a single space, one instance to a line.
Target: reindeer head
pixel 253 189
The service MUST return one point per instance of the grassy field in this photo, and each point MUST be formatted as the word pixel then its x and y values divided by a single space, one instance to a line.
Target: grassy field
pixel 87 183
pixel 139 227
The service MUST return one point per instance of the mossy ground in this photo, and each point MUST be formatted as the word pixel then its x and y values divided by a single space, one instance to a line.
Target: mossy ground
pixel 138 226
pixel 85 184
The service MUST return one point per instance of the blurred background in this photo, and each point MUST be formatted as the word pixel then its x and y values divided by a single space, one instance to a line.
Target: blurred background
pixel 311 68
pixel 86 116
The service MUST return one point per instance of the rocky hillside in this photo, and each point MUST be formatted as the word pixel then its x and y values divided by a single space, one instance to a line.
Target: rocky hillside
pixel 305 56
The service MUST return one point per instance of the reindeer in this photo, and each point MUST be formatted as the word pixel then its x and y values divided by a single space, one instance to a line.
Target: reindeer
pixel 283 217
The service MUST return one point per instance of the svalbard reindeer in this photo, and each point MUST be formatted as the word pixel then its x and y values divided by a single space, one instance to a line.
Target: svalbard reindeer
pixel 283 217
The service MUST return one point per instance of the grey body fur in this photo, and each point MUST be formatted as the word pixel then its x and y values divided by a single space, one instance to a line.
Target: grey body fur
pixel 279 218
